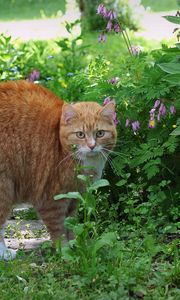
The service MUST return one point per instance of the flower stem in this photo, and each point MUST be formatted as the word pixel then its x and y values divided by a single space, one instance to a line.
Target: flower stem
pixel 127 36
pixel 126 41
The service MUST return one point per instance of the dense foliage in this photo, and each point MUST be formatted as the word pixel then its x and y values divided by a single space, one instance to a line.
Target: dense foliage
pixel 126 244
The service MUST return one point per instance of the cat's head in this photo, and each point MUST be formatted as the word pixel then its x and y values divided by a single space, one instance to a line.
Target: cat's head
pixel 88 128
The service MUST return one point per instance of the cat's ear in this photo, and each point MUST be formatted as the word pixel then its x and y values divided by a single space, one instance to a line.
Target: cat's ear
pixel 68 112
pixel 108 110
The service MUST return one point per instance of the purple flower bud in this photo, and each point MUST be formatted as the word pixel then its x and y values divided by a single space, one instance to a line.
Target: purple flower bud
pixel 116 122
pixel 111 15
pixel 117 28
pixel 100 9
pixel 152 111
pixel 135 126
pixel 34 75
pixel 106 100
pixel 159 117
pixel 162 109
pixel 114 80
pixel 102 37
pixel 109 26
pixel 127 123
pixel 172 109
pixel 135 50
pixel 157 103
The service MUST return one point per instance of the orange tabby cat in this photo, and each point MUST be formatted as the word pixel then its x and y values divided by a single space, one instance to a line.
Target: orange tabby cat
pixel 41 141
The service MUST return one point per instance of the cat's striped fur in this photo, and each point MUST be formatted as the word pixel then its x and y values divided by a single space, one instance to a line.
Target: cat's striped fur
pixel 41 141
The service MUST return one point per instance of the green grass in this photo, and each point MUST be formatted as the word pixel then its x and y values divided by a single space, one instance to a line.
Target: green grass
pixel 30 9
pixel 138 266
pixel 161 5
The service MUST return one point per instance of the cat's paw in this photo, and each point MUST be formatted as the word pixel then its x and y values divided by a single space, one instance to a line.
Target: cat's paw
pixel 7 254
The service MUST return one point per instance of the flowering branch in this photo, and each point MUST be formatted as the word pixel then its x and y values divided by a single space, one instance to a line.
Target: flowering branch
pixel 113 24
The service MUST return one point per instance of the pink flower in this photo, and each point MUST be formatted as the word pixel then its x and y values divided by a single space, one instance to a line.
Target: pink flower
pixel 102 37
pixel 159 117
pixel 172 109
pixel 127 123
pixel 109 26
pixel 135 126
pixel 135 50
pixel 111 15
pixel 117 28
pixel 162 109
pixel 116 122
pixel 35 74
pixel 114 80
pixel 157 103
pixel 100 9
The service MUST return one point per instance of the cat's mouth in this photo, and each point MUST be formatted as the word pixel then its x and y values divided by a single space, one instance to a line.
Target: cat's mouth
pixel 88 153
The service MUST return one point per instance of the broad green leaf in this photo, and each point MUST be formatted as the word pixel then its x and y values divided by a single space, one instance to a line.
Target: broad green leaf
pixel 171 68
pixel 99 183
pixel 178 45
pixel 121 182
pixel 176 131
pixel 173 78
pixel 70 195
pixel 106 239
pixel 70 222
pixel 82 177
pixel 78 229
pixel 68 253
pixel 172 19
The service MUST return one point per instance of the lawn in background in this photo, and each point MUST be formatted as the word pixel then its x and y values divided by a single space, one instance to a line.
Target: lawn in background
pixel 30 9
pixel 161 5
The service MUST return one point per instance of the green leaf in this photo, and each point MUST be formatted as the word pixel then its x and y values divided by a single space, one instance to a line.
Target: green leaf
pixel 176 131
pixel 172 19
pixel 172 68
pixel 68 253
pixel 106 239
pixel 152 171
pixel 82 177
pixel 121 182
pixel 99 183
pixel 70 222
pixel 70 195
pixel 173 78
pixel 78 229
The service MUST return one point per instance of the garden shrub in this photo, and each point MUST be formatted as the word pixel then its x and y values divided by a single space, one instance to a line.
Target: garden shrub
pixel 126 244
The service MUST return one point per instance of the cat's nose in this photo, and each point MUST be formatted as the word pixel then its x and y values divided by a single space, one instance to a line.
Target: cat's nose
pixel 92 147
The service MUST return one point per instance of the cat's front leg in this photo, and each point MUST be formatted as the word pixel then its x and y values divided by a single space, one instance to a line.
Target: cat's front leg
pixel 5 253
pixel 53 215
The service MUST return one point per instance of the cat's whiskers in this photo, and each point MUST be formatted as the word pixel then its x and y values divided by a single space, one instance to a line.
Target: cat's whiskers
pixel 65 159
pixel 109 160
pixel 120 154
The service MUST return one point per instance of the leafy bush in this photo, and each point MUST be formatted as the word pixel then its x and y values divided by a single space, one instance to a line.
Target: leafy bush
pixel 126 240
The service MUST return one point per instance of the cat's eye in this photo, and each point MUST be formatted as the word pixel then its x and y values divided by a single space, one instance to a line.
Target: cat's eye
pixel 100 133
pixel 80 134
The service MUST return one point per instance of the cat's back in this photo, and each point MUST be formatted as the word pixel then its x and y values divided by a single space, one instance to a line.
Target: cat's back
pixel 28 103
pixel 29 122
pixel 24 94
